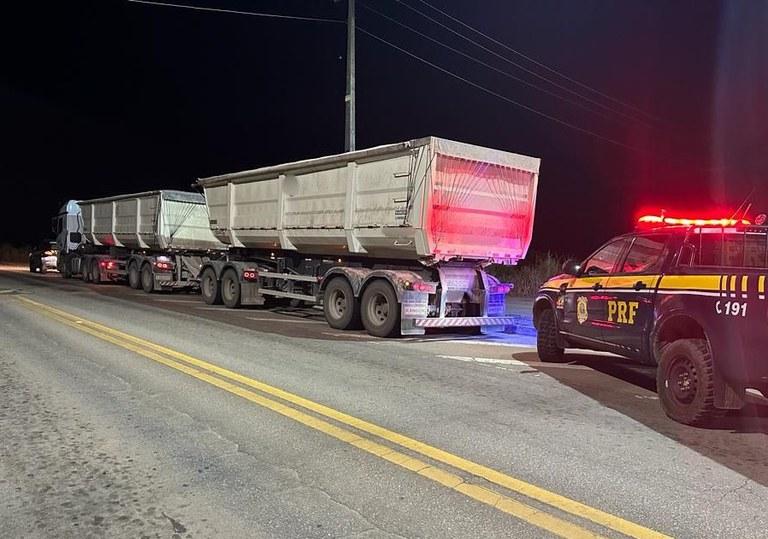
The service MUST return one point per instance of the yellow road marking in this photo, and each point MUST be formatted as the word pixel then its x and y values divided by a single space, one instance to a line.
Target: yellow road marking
pixel 542 495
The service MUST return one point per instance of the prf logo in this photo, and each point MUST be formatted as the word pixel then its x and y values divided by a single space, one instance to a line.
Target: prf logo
pixel 581 309
pixel 622 312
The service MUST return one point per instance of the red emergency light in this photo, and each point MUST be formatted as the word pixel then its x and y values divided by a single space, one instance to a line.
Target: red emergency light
pixel 685 221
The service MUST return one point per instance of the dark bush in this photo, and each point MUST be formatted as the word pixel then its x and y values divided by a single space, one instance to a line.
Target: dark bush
pixel 530 273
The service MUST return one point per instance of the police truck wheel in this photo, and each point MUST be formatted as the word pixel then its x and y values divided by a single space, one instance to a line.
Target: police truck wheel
pixel 147 279
pixel 95 273
pixel 209 287
pixel 685 381
pixel 547 345
pixel 380 310
pixel 342 310
pixel 230 289
pixel 134 279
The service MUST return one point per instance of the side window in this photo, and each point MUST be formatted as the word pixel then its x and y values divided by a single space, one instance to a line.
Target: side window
pixel 646 255
pixel 603 261
pixel 755 251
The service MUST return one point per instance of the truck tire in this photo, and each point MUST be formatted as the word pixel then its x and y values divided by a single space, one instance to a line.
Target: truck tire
pixel 134 279
pixel 95 273
pixel 685 381
pixel 380 310
pixel 85 269
pixel 210 288
pixel 341 307
pixel 32 268
pixel 43 269
pixel 66 268
pixel 230 289
pixel 547 344
pixel 147 279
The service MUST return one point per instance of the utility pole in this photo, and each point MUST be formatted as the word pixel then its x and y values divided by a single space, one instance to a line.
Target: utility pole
pixel 349 98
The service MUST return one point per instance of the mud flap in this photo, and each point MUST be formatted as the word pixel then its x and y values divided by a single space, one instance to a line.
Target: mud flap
pixel 413 305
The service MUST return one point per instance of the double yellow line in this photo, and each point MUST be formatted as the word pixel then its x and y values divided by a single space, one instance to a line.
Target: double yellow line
pixel 295 407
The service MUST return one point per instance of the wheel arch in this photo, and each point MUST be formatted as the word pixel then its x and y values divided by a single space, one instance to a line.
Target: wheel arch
pixel 540 304
pixel 676 326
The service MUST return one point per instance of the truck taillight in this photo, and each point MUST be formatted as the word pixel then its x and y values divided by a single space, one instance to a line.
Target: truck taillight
pixel 501 288
pixel 420 286
pixel 108 264
pixel 163 266
pixel 250 274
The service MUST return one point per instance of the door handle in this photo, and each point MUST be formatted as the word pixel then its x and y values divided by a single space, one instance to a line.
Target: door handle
pixel 596 287
pixel 640 285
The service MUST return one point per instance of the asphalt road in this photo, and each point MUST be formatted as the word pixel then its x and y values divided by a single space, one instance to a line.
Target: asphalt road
pixel 129 415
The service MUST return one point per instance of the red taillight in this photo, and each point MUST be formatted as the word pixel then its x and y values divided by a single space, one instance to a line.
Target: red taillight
pixel 108 264
pixel 250 274
pixel 501 288
pixel 420 286
pixel 163 266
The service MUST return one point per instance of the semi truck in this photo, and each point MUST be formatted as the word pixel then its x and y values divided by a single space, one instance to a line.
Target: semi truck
pixel 155 240
pixel 394 238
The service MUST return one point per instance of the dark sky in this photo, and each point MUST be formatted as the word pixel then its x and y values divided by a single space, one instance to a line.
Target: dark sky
pixel 106 97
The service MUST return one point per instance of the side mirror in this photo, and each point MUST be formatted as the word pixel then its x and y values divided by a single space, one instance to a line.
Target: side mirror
pixel 75 237
pixel 572 267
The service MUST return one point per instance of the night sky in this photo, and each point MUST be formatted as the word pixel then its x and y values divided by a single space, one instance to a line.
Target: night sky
pixel 109 97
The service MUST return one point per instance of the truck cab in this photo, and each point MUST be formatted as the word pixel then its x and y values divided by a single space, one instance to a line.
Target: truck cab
pixel 688 297
pixel 68 227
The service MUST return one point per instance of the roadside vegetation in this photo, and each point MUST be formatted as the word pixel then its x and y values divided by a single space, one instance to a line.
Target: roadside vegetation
pixel 530 273
pixel 13 254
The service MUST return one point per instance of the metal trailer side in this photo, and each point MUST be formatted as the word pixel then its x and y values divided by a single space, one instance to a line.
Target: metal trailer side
pixel 398 232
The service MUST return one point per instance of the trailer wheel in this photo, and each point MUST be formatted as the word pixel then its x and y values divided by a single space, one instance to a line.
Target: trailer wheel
pixel 685 381
pixel 85 273
pixel 380 310
pixel 209 287
pixel 147 279
pixel 546 339
pixel 341 308
pixel 134 280
pixel 230 289
pixel 95 273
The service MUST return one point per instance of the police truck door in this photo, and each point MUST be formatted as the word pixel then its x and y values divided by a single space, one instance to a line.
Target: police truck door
pixel 631 291
pixel 584 307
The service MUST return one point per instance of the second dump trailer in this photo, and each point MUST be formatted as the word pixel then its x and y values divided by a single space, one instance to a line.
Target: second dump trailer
pixel 394 237
pixel 155 240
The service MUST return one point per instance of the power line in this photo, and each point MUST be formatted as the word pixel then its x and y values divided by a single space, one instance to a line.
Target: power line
pixel 522 67
pixel 501 96
pixel 236 12
pixel 485 64
pixel 540 64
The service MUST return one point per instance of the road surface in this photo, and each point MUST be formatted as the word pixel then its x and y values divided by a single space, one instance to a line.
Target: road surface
pixel 131 415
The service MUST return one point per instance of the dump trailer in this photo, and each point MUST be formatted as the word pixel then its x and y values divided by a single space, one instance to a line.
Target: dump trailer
pixel 156 240
pixel 393 237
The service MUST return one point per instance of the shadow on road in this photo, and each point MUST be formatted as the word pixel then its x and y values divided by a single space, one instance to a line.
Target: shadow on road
pixel 739 440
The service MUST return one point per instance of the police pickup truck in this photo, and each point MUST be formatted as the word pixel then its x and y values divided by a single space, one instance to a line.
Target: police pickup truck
pixel 688 295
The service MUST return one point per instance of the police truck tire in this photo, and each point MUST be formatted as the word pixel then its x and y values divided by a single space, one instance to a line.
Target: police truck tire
pixel 341 307
pixel 210 288
pixel 134 279
pixel 95 272
pixel 685 381
pixel 380 310
pixel 547 344
pixel 147 279
pixel 230 289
